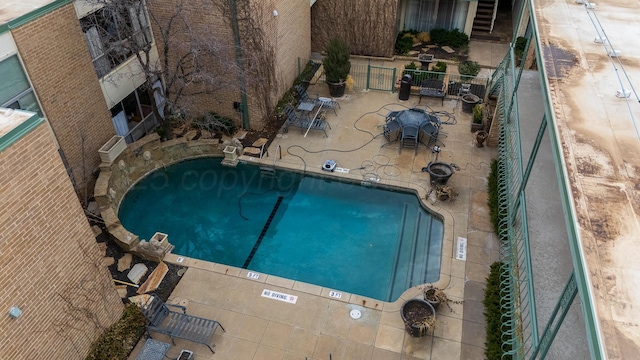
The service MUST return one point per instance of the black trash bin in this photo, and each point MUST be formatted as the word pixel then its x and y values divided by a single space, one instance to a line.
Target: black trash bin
pixel 405 87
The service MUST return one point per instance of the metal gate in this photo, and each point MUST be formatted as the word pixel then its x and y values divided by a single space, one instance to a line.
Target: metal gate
pixel 367 77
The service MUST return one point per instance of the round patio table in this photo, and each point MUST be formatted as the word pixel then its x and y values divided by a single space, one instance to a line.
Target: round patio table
pixel 428 124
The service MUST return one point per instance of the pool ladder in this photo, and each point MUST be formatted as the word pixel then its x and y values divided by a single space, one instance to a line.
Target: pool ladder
pixel 270 172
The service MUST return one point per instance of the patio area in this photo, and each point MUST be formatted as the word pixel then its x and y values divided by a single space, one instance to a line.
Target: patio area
pixel 318 324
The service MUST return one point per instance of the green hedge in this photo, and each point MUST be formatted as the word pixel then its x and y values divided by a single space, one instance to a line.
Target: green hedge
pixel 493 313
pixel 453 38
pixel 118 341
pixel 493 203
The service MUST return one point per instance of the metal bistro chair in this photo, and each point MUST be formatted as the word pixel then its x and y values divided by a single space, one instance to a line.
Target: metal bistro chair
pixel 409 138
pixel 464 89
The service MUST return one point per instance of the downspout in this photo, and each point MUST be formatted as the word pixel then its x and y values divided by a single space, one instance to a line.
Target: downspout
pixel 244 110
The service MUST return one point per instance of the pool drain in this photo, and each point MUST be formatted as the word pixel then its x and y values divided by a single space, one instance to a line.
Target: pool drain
pixel 355 314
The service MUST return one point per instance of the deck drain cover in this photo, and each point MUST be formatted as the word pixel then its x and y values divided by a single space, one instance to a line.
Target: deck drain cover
pixel 355 314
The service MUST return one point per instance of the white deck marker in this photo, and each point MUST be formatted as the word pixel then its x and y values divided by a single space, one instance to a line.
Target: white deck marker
pixel 335 294
pixel 461 253
pixel 291 299
pixel 252 275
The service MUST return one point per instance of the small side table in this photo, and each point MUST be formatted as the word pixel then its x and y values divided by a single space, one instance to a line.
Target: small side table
pixel 153 350
pixel 306 106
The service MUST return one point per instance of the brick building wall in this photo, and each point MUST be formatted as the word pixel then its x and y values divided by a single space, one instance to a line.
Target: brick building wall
pixel 57 59
pixel 286 36
pixel 293 29
pixel 49 262
pixel 369 27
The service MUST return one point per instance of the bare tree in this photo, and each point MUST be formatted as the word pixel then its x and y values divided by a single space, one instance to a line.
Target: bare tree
pixel 192 60
pixel 369 27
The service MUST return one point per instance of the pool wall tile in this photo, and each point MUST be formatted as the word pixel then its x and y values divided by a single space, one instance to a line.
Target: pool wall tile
pixel 366 302
pixel 281 282
pixel 345 297
pixel 250 275
pixel 226 269
pixel 307 288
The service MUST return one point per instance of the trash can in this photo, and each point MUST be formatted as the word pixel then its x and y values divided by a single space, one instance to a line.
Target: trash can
pixel 405 87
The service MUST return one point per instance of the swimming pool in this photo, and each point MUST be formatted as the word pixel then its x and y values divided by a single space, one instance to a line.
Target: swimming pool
pixel 367 241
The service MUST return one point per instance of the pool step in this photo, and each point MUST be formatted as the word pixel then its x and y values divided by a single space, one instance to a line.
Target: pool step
pixel 265 228
pixel 414 253
pixel 267 172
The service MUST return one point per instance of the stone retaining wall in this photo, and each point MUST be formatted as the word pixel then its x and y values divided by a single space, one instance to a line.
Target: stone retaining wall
pixel 138 160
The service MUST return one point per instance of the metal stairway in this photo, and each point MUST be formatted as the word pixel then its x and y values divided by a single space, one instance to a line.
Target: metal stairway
pixel 485 16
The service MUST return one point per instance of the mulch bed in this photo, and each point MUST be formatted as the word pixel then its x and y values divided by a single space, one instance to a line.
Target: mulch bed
pixel 167 285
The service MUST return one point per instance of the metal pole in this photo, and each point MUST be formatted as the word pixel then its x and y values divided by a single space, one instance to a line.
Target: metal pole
pixel 240 63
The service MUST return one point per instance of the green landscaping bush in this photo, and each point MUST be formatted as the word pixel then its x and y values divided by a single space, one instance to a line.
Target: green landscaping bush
pixel 440 67
pixel 453 38
pixel 469 68
pixel 493 192
pixel 403 44
pixel 493 312
pixel 518 49
pixel 118 341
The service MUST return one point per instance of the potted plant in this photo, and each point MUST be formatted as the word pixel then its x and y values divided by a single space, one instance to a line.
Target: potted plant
pixel 337 66
pixel 436 296
pixel 441 68
pixel 419 317
pixel 469 68
pixel 476 122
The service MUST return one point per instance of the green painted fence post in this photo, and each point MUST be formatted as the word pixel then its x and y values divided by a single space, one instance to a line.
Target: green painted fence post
pixel 393 81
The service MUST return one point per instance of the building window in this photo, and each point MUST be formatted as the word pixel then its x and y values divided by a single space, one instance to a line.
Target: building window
pixel 115 32
pixel 133 117
pixel 15 90
pixel 425 15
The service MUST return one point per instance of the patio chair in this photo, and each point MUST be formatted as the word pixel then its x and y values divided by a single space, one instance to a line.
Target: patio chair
pixel 409 138
pixel 326 103
pixel 302 121
pixel 392 116
pixel 464 89
pixel 178 324
pixel 303 96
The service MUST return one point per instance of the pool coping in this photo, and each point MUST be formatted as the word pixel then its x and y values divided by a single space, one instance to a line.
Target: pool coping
pixel 109 201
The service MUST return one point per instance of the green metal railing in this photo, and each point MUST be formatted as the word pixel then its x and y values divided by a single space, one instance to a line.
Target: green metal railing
pixel 520 324
pixel 366 76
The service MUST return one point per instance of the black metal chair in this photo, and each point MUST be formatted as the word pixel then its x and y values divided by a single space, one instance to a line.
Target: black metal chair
pixel 178 324
pixel 409 138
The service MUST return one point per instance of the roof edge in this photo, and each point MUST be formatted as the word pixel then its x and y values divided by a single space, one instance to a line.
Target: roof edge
pixel 32 15
pixel 20 131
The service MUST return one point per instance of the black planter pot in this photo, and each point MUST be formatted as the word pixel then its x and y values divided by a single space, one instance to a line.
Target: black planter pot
pixel 468 102
pixel 410 305
pixel 439 173
pixel 337 89
pixel 430 294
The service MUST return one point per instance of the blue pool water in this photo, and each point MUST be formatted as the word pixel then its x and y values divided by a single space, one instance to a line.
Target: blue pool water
pixel 367 241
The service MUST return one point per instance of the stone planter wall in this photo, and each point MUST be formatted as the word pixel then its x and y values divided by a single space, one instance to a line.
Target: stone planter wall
pixel 134 163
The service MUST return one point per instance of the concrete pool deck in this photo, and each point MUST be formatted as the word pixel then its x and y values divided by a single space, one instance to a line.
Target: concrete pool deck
pixel 318 324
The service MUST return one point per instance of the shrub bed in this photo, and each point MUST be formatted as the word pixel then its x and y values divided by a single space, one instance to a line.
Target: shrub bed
pixel 493 313
pixel 118 341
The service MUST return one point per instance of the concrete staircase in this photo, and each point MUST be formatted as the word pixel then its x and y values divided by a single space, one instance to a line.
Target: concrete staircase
pixel 484 17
